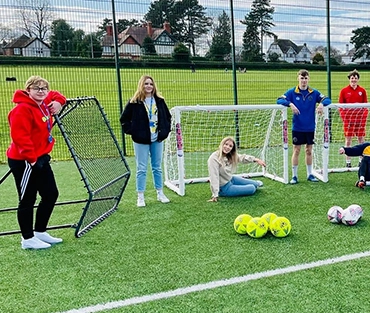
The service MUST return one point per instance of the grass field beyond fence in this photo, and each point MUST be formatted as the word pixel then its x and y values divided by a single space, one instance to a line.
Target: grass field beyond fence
pixel 179 87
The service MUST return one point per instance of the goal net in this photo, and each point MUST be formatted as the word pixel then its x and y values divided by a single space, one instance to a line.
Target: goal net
pixel 329 137
pixel 259 130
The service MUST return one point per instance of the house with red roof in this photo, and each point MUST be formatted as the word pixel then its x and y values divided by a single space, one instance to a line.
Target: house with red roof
pixel 130 41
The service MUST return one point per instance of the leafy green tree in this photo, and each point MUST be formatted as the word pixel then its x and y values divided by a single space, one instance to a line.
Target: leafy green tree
pixel 318 58
pixel 193 22
pixel 361 41
pixel 79 47
pixel 181 53
pixel 251 51
pixel 148 46
pixel 122 24
pixel 335 54
pixel 273 57
pixel 220 46
pixel 62 38
pixel 187 19
pixel 261 16
pixel 161 11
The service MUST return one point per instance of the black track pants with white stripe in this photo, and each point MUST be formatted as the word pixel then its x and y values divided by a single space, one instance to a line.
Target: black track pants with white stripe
pixel 30 181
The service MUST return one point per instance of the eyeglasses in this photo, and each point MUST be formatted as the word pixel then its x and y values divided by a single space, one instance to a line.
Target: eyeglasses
pixel 37 89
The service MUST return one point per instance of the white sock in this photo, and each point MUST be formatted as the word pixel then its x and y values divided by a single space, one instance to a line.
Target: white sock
pixel 309 169
pixel 295 170
pixel 140 195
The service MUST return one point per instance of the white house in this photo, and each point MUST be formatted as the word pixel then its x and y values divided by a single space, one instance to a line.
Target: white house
pixel 347 57
pixel 27 47
pixel 288 51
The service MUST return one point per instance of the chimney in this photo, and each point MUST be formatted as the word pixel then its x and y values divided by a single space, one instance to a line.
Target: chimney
pixel 275 38
pixel 347 48
pixel 167 27
pixel 149 28
pixel 109 29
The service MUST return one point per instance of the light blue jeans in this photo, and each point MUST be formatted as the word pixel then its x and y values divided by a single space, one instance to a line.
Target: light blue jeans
pixel 238 186
pixel 142 153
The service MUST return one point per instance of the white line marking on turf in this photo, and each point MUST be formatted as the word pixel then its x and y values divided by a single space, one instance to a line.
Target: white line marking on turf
pixel 216 284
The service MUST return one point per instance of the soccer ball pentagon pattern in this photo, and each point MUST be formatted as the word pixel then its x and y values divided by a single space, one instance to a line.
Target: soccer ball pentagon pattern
pixel 240 223
pixel 335 214
pixel 280 227
pixel 257 227
pixel 352 215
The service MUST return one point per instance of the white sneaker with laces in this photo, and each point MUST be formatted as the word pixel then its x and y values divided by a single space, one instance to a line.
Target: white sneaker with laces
pixel 34 243
pixel 45 237
pixel 162 198
pixel 140 202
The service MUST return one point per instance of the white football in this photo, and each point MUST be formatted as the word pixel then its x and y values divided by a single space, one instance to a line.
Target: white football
pixel 352 214
pixel 335 214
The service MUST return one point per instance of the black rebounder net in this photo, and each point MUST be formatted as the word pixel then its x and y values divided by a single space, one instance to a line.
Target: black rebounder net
pixel 98 157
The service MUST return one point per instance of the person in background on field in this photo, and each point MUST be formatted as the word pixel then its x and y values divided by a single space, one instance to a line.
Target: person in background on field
pixel 360 150
pixel 30 124
pixel 302 99
pixel 354 120
pixel 147 119
pixel 221 166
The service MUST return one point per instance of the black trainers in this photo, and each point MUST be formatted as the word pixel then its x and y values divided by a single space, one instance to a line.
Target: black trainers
pixel 360 184
pixel 349 165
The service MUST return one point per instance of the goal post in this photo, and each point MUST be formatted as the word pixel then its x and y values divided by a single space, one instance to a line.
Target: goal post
pixel 259 130
pixel 329 137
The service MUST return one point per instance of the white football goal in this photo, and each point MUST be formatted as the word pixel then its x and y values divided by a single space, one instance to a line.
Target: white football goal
pixel 259 130
pixel 329 137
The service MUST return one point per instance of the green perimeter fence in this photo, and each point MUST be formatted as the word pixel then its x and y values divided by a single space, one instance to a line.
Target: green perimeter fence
pixel 77 51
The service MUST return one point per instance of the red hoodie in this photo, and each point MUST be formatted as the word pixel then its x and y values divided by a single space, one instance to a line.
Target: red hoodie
pixel 28 129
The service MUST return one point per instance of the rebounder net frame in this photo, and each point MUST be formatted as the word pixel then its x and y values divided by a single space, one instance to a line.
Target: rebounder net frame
pixel 98 157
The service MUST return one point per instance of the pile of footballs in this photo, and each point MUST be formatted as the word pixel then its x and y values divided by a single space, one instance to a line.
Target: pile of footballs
pixel 349 216
pixel 257 227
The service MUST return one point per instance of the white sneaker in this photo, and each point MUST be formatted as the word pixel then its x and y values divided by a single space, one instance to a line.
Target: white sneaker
pixel 45 237
pixel 34 243
pixel 162 198
pixel 259 183
pixel 140 202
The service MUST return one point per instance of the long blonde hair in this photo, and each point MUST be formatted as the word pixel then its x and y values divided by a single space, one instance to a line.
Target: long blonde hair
pixel 232 156
pixel 140 91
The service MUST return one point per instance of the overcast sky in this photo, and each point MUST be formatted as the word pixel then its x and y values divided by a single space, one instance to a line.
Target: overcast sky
pixel 302 21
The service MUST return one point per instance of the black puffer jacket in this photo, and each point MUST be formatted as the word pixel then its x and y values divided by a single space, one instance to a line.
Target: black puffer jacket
pixel 135 121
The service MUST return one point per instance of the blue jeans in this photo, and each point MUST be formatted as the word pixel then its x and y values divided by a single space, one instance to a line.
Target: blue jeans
pixel 142 153
pixel 238 186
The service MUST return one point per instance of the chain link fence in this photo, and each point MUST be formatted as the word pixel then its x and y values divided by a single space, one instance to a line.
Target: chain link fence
pixel 199 52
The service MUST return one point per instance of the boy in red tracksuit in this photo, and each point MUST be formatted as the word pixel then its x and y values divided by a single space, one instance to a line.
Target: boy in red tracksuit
pixel 30 123
pixel 364 167
pixel 354 120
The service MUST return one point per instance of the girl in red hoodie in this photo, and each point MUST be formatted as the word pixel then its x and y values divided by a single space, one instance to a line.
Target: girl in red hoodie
pixel 30 124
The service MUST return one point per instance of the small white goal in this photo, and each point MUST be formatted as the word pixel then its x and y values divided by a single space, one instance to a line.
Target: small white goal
pixel 259 130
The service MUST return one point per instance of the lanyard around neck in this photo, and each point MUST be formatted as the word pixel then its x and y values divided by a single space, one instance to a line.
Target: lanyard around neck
pixel 149 108
pixel 46 119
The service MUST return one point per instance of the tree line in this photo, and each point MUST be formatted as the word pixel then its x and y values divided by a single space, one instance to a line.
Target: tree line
pixel 189 23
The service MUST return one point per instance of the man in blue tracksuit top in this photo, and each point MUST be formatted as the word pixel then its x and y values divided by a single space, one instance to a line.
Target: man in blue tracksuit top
pixel 302 100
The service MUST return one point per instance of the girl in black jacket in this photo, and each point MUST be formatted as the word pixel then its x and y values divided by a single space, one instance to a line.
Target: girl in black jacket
pixel 147 119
